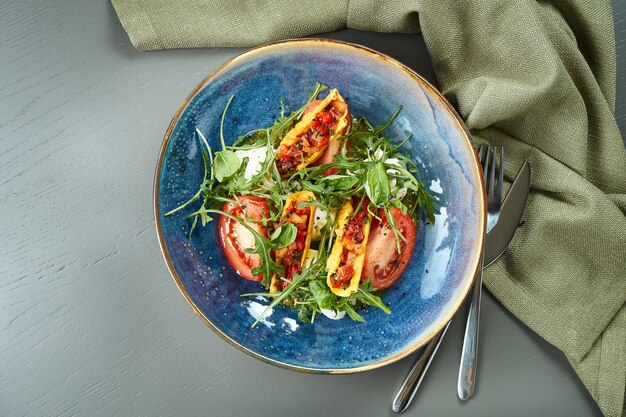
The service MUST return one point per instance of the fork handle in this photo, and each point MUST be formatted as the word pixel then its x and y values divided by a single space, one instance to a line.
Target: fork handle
pixel 469 355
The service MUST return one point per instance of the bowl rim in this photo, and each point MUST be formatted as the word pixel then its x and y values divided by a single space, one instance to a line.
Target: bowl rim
pixel 304 42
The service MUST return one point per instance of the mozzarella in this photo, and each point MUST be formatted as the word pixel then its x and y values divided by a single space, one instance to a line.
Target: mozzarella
pixel 401 193
pixel 319 221
pixel 322 217
pixel 332 314
pixel 256 157
pixel 311 257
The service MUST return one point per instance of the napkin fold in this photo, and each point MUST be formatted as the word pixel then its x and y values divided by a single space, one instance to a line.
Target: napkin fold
pixel 535 77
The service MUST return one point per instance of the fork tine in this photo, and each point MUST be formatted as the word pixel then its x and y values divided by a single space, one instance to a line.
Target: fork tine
pixel 500 176
pixel 492 172
pixel 481 153
pixel 486 167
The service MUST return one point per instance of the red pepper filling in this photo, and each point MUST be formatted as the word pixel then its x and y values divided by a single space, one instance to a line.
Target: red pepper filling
pixel 354 228
pixel 353 237
pixel 342 277
pixel 290 257
pixel 311 141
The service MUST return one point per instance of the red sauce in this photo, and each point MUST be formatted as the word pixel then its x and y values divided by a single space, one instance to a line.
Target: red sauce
pixel 342 277
pixel 313 140
pixel 354 228
pixel 353 234
pixel 292 262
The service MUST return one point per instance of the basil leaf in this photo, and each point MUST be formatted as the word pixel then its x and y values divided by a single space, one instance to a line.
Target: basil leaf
pixel 284 235
pixel 225 164
pixel 276 233
pixel 398 204
pixel 377 184
pixel 342 182
pixel 322 294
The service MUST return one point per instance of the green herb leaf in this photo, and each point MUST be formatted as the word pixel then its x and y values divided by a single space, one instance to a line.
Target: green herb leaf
pixel 379 129
pixel 353 314
pixel 222 123
pixel 225 164
pixel 366 296
pixel 297 279
pixel 284 235
pixel 377 184
pixel 322 294
pixel 304 314
pixel 341 182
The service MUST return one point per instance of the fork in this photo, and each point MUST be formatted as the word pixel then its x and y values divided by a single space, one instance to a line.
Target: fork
pixel 414 378
pixel 469 354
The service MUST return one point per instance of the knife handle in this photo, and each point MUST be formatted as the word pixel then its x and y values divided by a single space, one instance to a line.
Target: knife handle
pixel 414 378
pixel 469 355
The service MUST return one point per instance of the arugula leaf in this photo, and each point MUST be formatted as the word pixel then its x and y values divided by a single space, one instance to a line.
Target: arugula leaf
pixel 366 296
pixel 353 314
pixel 305 314
pixel 297 279
pixel 222 123
pixel 378 130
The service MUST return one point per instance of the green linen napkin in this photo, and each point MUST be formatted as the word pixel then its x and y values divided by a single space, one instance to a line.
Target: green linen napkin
pixel 535 77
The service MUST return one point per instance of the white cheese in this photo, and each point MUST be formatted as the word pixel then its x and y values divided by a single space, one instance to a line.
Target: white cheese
pixel 401 193
pixel 256 157
pixel 311 256
pixel 393 161
pixel 319 221
pixel 332 314
pixel 321 218
pixel 268 182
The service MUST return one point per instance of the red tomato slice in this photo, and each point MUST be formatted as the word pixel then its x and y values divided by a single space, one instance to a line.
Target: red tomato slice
pixel 312 105
pixel 383 264
pixel 235 238
pixel 328 156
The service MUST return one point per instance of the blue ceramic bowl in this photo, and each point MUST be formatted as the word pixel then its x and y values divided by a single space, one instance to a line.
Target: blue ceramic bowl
pixel 446 254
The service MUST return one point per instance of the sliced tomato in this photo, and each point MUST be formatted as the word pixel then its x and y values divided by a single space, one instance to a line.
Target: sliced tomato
pixel 333 147
pixel 235 237
pixel 328 156
pixel 312 105
pixel 383 264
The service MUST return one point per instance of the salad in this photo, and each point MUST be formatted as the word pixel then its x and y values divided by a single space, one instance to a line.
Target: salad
pixel 321 208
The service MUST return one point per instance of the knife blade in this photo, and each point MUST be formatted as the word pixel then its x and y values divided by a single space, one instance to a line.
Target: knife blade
pixel 513 205
pixel 496 242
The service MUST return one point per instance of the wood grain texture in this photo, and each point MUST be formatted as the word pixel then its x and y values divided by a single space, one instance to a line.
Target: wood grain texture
pixel 92 324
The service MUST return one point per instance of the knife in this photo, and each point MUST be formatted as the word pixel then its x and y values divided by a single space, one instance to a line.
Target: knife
pixel 496 242
pixel 510 215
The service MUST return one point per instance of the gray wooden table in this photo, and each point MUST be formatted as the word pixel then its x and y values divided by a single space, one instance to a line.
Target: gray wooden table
pixel 91 322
